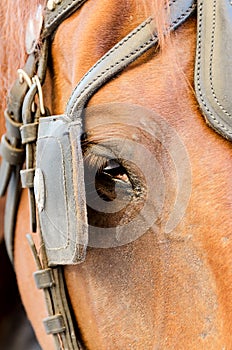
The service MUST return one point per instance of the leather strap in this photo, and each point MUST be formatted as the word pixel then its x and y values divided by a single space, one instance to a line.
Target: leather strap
pixel 11 207
pixel 13 155
pixel 17 93
pixel 122 54
pixel 29 132
pixel 12 125
pixel 13 121
pixel 44 278
pixel 58 13
pixel 59 321
pixel 213 69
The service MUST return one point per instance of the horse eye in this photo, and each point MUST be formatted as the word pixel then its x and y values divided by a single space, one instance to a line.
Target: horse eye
pixel 107 179
pixel 112 181
pixel 116 171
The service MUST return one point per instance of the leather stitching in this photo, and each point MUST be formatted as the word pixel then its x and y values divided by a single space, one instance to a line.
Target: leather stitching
pixel 211 62
pixel 133 53
pixel 198 68
pixel 107 55
pixel 62 9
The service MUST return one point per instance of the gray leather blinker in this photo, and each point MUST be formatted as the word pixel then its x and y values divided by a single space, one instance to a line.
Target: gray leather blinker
pixel 213 69
pixel 60 191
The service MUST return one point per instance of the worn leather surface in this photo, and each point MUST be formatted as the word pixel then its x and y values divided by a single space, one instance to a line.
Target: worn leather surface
pixel 9 173
pixel 61 191
pixel 13 196
pixel 213 70
pixel 122 54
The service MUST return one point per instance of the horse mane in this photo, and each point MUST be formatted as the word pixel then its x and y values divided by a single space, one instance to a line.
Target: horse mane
pixel 14 16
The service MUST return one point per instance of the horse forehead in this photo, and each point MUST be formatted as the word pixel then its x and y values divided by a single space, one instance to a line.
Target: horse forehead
pixel 94 30
pixel 97 26
pixel 89 33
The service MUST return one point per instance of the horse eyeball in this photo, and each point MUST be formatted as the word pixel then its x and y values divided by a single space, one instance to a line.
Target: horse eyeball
pixel 116 171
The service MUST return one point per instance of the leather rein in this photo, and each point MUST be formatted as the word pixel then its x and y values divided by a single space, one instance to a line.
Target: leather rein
pixel 28 123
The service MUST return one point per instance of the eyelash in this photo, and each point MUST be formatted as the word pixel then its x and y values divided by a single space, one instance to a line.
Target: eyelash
pixel 99 162
pixel 112 167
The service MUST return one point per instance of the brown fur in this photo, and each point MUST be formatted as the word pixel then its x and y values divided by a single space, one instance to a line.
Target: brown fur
pixel 163 291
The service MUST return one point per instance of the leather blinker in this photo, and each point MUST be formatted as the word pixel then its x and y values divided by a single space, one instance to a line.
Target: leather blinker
pixel 60 192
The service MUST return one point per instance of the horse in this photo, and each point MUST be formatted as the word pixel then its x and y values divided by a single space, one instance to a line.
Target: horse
pixel 166 282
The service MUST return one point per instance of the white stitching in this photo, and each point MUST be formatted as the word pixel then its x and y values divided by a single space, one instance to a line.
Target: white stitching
pixel 63 8
pixel 108 54
pixel 211 61
pixel 133 53
pixel 199 57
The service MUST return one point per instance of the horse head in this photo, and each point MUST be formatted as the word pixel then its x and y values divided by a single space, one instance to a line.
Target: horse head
pixel 149 181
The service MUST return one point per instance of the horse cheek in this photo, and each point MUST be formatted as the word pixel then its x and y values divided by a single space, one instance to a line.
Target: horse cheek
pixel 25 266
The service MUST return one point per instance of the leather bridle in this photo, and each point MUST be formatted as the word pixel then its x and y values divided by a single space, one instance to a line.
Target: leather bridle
pixel 26 124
